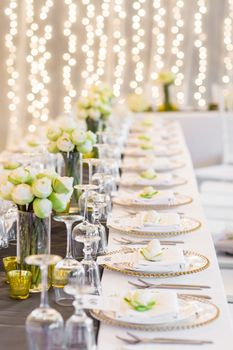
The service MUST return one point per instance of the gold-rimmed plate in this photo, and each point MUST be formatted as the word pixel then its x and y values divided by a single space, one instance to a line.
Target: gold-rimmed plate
pixel 194 262
pixel 203 314
pixel 187 225
pixel 139 152
pixel 179 199
pixel 137 182
pixel 141 164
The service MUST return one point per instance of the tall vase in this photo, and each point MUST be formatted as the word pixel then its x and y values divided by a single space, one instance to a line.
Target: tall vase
pixel 33 238
pixel 167 105
pixel 73 168
pixel 93 125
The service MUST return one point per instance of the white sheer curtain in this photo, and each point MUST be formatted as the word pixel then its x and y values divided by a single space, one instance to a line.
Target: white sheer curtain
pixel 60 45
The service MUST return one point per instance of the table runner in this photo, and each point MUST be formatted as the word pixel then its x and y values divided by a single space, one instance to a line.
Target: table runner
pixel 219 331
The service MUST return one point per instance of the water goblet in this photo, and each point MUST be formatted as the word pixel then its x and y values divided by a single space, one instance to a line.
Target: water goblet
pixel 79 332
pixel 67 265
pixel 44 325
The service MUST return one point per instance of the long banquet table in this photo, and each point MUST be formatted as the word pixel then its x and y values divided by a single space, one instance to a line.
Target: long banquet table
pixel 219 331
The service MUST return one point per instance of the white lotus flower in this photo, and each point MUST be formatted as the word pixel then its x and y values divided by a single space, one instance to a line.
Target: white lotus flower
pixel 42 188
pixel 67 124
pixel 94 114
pixel 78 136
pixel 64 143
pixel 143 298
pixel 85 147
pixel 42 207
pixel 82 113
pixel 91 136
pixel 19 176
pixel 153 250
pixel 63 184
pixel 6 189
pixel 59 201
pixel 148 192
pixel 52 147
pixel 54 132
pixel 148 174
pixel 83 101
pixel 22 194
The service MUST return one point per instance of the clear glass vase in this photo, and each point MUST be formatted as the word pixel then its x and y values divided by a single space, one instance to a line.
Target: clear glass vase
pixel 73 168
pixel 33 238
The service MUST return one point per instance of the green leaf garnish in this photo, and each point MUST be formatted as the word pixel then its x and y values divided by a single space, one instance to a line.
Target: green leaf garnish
pixel 146 147
pixel 145 175
pixel 148 195
pixel 144 138
pixel 143 254
pixel 11 165
pixel 138 307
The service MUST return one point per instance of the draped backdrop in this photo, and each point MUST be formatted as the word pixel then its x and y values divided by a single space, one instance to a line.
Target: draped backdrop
pixel 52 49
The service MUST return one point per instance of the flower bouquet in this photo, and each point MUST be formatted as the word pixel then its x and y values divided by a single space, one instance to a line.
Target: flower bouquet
pixel 138 103
pixel 68 139
pixel 95 108
pixel 166 78
pixel 36 196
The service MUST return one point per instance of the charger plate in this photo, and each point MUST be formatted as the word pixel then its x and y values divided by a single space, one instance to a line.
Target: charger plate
pixel 194 262
pixel 174 164
pixel 175 181
pixel 187 225
pixel 137 152
pixel 205 312
pixel 179 200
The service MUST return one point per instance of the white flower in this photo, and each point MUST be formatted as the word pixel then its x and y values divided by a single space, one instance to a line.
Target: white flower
pixel 33 140
pixel 152 250
pixel 138 103
pixel 5 190
pixel 148 174
pixel 42 207
pixel 85 147
pixel 82 113
pixel 54 132
pixel 78 136
pixel 166 77
pixel 22 194
pixel 148 192
pixel 83 101
pixel 59 201
pixel 91 136
pixel 140 297
pixel 19 176
pixel 42 187
pixel 67 124
pixel 63 184
pixel 94 114
pixel 52 147
pixel 64 143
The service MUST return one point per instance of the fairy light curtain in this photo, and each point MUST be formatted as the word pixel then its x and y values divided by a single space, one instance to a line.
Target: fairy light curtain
pixel 51 49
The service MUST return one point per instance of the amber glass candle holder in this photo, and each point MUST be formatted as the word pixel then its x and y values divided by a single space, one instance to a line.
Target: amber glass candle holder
pixel 20 282
pixel 9 263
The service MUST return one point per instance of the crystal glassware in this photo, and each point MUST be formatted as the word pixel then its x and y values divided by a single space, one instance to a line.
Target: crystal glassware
pixel 20 282
pixel 67 265
pixel 44 325
pixel 91 162
pixel 79 331
pixel 98 206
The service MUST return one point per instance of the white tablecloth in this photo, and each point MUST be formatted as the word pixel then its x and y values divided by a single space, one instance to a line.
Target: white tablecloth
pixel 221 330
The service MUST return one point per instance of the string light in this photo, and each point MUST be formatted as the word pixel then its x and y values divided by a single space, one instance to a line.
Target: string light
pixel 13 74
pixel 119 45
pixel 69 57
pixel 177 52
pixel 158 44
pixel 228 44
pixel 199 43
pixel 38 36
pixel 138 45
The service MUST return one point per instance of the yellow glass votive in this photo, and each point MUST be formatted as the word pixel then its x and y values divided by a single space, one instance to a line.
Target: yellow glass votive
pixel 9 263
pixel 20 282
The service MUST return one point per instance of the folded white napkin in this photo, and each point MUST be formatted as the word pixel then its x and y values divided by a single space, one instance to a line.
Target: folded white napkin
pixel 171 260
pixel 166 309
pixel 142 163
pixel 166 222
pixel 157 150
pixel 136 179
pixel 161 198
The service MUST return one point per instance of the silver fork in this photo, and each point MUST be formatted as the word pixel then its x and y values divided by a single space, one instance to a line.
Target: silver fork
pixel 148 285
pixel 134 339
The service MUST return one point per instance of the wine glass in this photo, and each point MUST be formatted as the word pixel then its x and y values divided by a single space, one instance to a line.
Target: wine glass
pixel 91 162
pixel 44 325
pixel 64 267
pixel 98 205
pixel 79 332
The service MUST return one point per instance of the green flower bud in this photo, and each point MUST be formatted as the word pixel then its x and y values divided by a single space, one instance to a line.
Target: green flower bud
pixel 19 176
pixel 63 184
pixel 59 201
pixel 86 147
pixel 42 188
pixel 42 207
pixel 54 133
pixel 22 194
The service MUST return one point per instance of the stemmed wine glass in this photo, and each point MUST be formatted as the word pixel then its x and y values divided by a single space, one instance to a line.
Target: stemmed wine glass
pixel 79 332
pixel 44 325
pixel 98 206
pixel 86 233
pixel 67 265
pixel 91 163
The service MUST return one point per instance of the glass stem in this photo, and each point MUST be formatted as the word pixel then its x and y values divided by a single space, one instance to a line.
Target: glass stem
pixel 85 206
pixel 44 280
pixel 68 244
pixel 87 251
pixel 81 168
pixel 90 172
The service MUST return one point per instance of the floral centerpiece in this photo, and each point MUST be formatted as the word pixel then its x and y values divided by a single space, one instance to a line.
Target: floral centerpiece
pixel 166 78
pixel 95 108
pixel 68 139
pixel 36 195
pixel 138 103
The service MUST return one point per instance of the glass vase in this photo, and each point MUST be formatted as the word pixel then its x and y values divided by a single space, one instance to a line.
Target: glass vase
pixel 73 168
pixel 167 105
pixel 33 238
pixel 93 125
